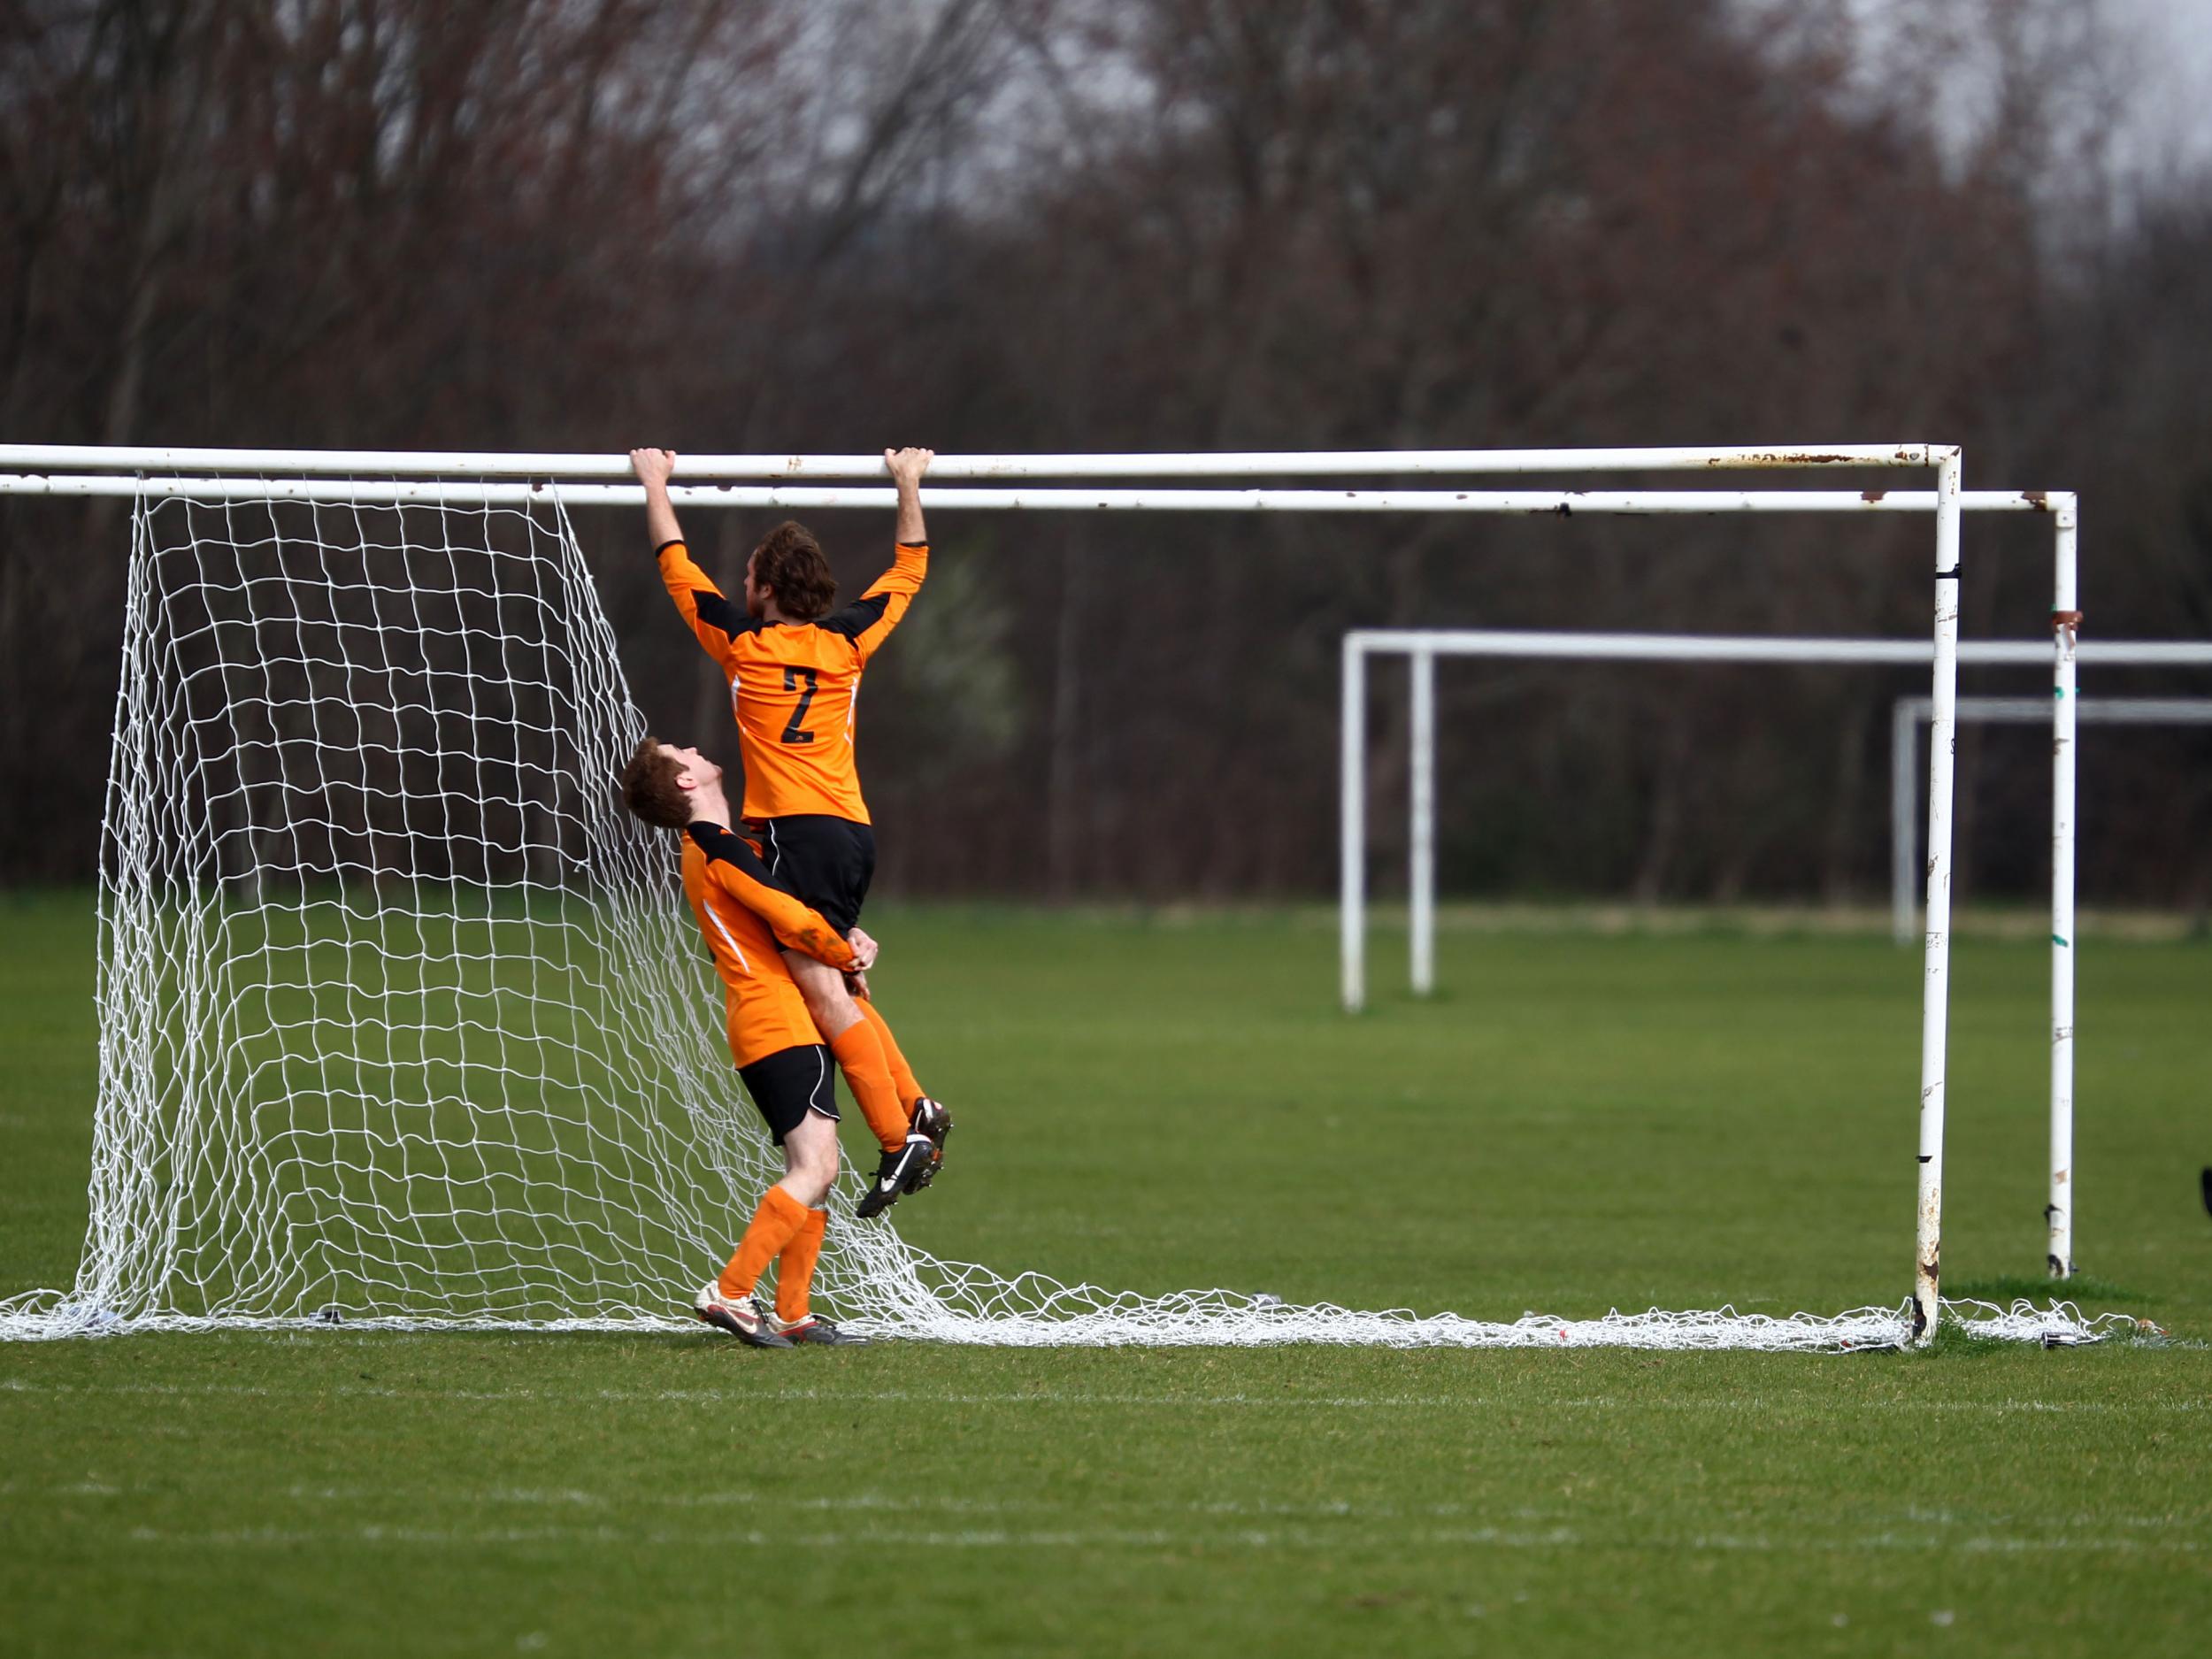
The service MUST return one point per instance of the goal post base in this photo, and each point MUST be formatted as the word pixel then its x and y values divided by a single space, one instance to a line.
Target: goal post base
pixel 1225 1319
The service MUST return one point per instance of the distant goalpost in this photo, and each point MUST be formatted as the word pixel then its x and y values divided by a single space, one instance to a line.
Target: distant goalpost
pixel 1421 647
pixel 1909 714
pixel 401 1026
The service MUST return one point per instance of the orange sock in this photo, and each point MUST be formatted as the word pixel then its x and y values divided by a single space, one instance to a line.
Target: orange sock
pixel 795 1269
pixel 868 1074
pixel 779 1216
pixel 902 1074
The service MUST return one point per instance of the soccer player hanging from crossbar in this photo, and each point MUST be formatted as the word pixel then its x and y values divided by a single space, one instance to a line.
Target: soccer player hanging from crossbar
pixel 793 667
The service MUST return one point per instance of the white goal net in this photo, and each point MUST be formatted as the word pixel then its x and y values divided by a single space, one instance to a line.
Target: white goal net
pixel 404 1020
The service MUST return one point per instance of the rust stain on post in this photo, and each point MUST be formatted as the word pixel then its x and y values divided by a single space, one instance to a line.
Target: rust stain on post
pixel 1873 495
pixel 1792 457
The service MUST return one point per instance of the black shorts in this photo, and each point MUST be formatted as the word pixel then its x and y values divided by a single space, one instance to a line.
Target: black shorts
pixel 789 1084
pixel 827 862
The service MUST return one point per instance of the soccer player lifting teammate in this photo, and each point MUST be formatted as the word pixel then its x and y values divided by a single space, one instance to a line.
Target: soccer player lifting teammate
pixel 745 919
pixel 793 667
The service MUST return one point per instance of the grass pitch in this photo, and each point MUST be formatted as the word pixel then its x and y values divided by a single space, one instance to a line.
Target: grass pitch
pixel 1581 1122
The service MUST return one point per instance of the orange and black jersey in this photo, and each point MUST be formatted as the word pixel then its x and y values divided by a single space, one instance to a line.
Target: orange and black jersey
pixel 794 686
pixel 745 917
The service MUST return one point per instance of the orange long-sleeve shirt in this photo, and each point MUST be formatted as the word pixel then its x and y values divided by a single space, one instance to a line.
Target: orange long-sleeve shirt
pixel 794 687
pixel 745 919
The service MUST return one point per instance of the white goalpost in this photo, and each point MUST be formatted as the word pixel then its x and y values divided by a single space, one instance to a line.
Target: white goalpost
pixel 1421 647
pixel 401 1024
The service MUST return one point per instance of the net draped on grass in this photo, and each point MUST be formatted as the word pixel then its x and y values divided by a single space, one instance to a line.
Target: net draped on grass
pixel 403 1018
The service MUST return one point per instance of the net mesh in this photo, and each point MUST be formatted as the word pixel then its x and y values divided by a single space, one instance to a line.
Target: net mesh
pixel 401 1017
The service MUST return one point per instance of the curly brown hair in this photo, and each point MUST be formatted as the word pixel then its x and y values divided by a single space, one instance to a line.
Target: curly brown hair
pixel 789 565
pixel 650 788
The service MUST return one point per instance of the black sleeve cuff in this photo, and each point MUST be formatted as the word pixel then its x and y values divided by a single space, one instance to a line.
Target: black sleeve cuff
pixel 674 541
pixel 712 839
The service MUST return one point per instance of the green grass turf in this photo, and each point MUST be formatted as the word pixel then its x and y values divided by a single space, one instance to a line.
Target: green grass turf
pixel 1580 1122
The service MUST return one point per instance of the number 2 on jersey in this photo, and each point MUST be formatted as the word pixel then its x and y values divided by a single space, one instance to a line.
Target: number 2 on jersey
pixel 792 733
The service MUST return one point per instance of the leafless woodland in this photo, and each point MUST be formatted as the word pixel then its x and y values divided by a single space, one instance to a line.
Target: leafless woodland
pixel 988 225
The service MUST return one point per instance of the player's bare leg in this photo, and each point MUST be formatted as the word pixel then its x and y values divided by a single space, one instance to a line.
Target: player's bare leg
pixel 810 1161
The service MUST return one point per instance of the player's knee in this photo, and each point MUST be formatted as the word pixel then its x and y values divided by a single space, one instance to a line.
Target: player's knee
pixel 814 1186
pixel 814 1171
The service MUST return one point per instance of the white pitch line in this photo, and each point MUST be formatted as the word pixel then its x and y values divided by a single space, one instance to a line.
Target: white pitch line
pixel 1933 1525
pixel 779 1499
pixel 1563 1538
pixel 1753 1405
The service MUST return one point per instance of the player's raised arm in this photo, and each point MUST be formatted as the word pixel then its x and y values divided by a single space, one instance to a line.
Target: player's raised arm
pixel 906 467
pixel 654 468
pixel 869 618
pixel 733 866
pixel 706 611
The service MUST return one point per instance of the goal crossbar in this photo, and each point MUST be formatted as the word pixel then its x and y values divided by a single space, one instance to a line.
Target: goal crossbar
pixel 62 458
pixel 821 498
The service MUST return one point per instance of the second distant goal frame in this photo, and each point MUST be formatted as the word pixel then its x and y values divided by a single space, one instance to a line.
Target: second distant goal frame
pixel 1420 646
